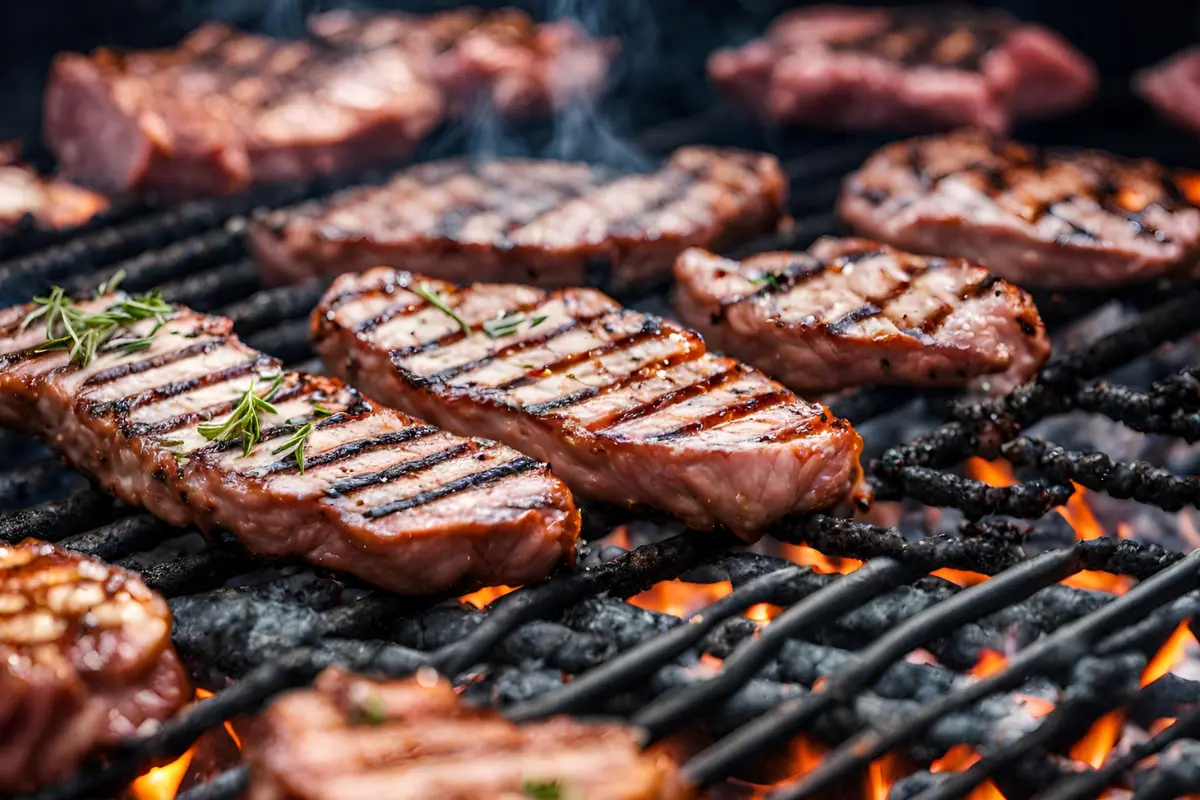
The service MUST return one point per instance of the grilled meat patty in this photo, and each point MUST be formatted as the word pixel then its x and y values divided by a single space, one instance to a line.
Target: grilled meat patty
pixel 85 662
pixel 224 110
pixel 351 738
pixel 851 312
pixel 49 202
pixel 515 66
pixel 382 496
pixel 1173 88
pixel 549 223
pixel 922 68
pixel 1037 218
pixel 626 407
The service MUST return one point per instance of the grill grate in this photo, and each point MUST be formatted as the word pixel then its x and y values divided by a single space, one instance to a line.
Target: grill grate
pixel 807 670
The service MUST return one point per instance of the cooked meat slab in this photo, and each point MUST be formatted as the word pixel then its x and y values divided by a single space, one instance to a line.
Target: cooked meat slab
pixel 164 417
pixel 549 223
pixel 85 662
pixel 1034 217
pixel 49 202
pixel 224 110
pixel 627 407
pixel 851 312
pixel 1173 88
pixel 922 68
pixel 502 58
pixel 351 738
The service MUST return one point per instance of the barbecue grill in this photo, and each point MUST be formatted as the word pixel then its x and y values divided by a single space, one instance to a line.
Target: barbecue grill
pixel 1021 668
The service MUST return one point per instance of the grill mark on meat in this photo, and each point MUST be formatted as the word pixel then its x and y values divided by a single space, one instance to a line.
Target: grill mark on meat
pixel 161 360
pixel 588 392
pixel 131 429
pixel 354 483
pixel 169 390
pixel 923 34
pixel 275 432
pixel 349 450
pixel 680 186
pixel 364 291
pixel 729 413
pixel 390 313
pixel 457 334
pixel 478 479
pixel 792 276
pixel 841 326
pixel 930 324
pixel 874 305
pixel 651 326
pixel 714 381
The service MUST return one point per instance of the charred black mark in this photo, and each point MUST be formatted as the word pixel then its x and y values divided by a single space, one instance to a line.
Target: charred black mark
pixel 349 450
pixel 804 269
pixel 803 427
pixel 357 482
pixel 916 37
pixel 651 327
pixel 161 360
pixel 934 321
pixel 678 185
pixel 457 334
pixel 390 313
pixel 841 325
pixel 714 381
pixel 727 414
pixel 169 390
pixel 515 467
pixel 618 383
pixel 131 429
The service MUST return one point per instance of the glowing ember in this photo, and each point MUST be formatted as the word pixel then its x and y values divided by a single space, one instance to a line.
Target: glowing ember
pixel 1171 654
pixel 961 577
pixel 806 556
pixel 882 774
pixel 990 662
pixel 680 598
pixel 1098 742
pixel 162 783
pixel 485 595
pixel 959 758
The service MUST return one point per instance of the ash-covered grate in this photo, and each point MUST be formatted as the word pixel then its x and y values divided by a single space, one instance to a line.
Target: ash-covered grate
pixel 831 664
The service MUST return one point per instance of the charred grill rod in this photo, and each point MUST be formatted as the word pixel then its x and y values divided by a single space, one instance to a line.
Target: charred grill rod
pixel 229 785
pixel 1053 652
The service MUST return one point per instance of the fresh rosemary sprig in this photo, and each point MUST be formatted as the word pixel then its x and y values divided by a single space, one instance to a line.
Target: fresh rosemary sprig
pixel 295 444
pixel 766 278
pixel 245 422
pixel 542 790
pixel 431 295
pixel 509 323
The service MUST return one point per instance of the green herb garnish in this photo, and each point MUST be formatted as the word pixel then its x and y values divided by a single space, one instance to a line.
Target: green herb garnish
pixel 768 278
pixel 295 444
pixel 538 320
pixel 171 442
pixel 321 411
pixel 245 422
pixel 430 294
pixel 503 326
pixel 83 334
pixel 370 711
pixel 542 790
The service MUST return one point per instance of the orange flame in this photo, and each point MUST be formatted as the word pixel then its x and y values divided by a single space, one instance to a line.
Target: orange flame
pixel 806 556
pixel 680 598
pixel 882 774
pixel 1100 739
pixel 960 757
pixel 1170 654
pixel 960 576
pixel 990 662
pixel 487 594
pixel 162 783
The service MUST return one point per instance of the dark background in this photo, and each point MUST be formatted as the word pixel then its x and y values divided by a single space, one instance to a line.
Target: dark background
pixel 666 40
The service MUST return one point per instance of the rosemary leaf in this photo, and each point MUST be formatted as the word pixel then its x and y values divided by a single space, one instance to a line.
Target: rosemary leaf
pixel 430 294
pixel 495 328
pixel 542 790
pixel 538 320
pixel 245 422
pixel 767 278
pixel 295 445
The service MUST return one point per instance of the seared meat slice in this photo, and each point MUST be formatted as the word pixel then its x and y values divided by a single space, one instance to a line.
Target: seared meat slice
pixel 1034 217
pixel 851 312
pixel 351 738
pixel 922 68
pixel 380 495
pixel 503 57
pixel 85 662
pixel 548 223
pixel 224 110
pixel 1173 88
pixel 626 407
pixel 50 203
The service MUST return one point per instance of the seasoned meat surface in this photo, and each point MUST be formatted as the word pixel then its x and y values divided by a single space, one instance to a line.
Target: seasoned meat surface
pixel 383 496
pixel 851 312
pixel 1173 88
pixel 548 223
pixel 501 58
pixel 1038 218
pixel 224 110
pixel 351 738
pixel 627 407
pixel 85 662
pixel 916 68
pixel 49 202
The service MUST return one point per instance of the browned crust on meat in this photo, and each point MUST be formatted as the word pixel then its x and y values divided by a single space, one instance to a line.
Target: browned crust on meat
pixel 544 223
pixel 85 661
pixel 755 454
pixel 352 738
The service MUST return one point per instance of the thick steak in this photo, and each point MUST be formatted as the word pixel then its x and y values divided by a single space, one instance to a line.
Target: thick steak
pixel 501 59
pixel 549 223
pixel 627 407
pixel 49 202
pixel 383 496
pixel 85 662
pixel 224 110
pixel 1173 88
pixel 922 68
pixel 1038 218
pixel 350 738
pixel 850 312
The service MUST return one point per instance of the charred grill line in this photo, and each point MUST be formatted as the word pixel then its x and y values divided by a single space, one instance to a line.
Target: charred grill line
pixel 161 360
pixel 349 450
pixel 976 499
pixel 1051 653
pixel 210 288
pixel 1141 412
pixel 122 538
pixel 55 520
pixel 390 313
pixel 168 390
pixel 272 307
pixel 159 266
pixel 651 327
pixel 488 476
pixel 620 382
pixel 502 352
pixel 714 381
pixel 733 412
pixel 346 486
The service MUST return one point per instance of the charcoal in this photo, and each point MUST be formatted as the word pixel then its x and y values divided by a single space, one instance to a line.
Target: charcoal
pixel 208 289
pixel 121 538
pixel 627 625
pixel 436 628
pixel 56 520
pixel 39 480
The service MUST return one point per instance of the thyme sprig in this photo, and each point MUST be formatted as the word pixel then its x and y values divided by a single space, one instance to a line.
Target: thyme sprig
pixel 245 422
pixel 509 323
pixel 434 299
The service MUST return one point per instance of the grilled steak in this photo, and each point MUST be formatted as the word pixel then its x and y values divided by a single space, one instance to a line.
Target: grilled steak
pixel 916 68
pixel 626 407
pixel 385 497
pixel 1173 88
pixel 47 202
pixel 850 312
pixel 85 662
pixel 1034 217
pixel 502 57
pixel 224 110
pixel 543 222
pixel 414 739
